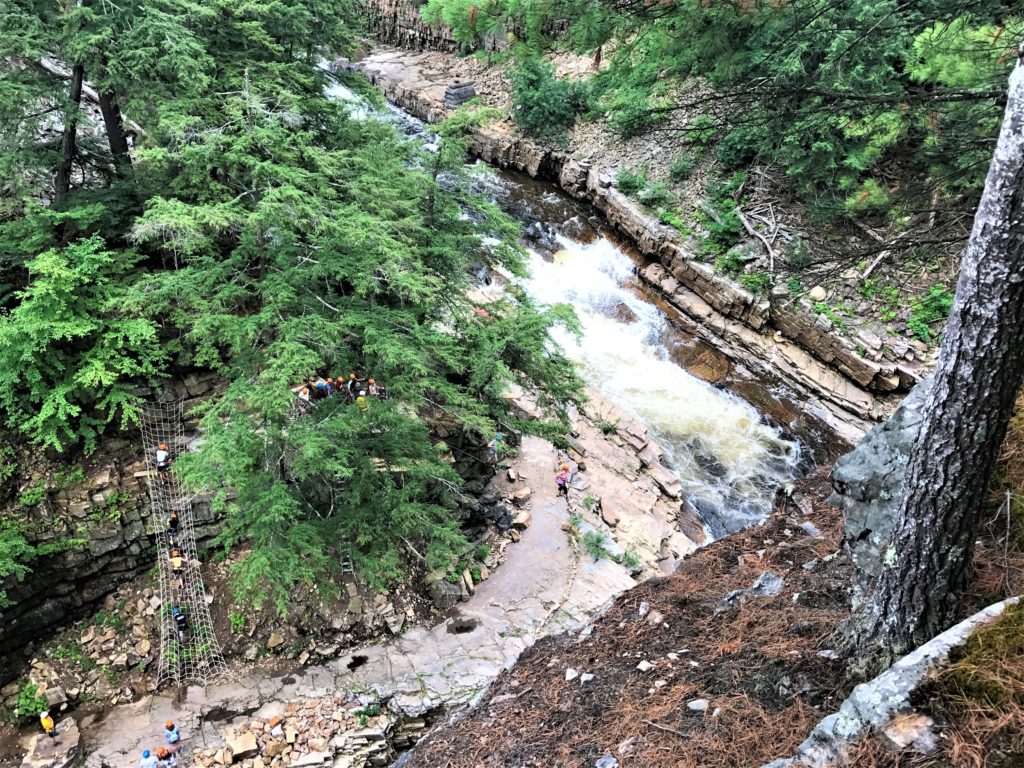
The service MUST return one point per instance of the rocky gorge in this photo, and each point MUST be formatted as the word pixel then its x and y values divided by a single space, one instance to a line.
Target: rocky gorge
pixel 855 379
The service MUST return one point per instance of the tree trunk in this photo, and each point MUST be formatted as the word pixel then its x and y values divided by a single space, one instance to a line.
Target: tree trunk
pixel 979 371
pixel 62 181
pixel 114 125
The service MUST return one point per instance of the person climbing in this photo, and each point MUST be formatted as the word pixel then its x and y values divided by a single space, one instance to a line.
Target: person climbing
pixel 304 401
pixel 362 402
pixel 148 760
pixel 494 447
pixel 47 722
pixel 163 458
pixel 172 530
pixel 323 389
pixel 171 733
pixel 562 480
pixel 177 565
pixel 371 387
pixel 181 621
pixel 332 387
pixel 165 757
pixel 350 385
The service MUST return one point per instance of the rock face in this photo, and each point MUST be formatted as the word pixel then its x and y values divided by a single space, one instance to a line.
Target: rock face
pixel 111 512
pixel 868 482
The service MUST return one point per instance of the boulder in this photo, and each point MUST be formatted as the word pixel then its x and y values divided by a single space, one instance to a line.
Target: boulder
pixel 868 483
pixel 522 519
pixel 817 293
pixel 275 640
pixel 442 592
pixel 242 744
pixel 609 515
pixel 521 496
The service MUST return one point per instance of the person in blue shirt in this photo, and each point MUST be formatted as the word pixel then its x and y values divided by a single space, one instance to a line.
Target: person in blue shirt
pixel 148 760
pixel 171 732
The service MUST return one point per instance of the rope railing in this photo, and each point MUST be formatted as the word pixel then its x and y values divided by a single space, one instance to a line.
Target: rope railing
pixel 195 658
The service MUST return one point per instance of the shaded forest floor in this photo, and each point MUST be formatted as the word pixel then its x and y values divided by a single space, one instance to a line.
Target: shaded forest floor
pixel 712 666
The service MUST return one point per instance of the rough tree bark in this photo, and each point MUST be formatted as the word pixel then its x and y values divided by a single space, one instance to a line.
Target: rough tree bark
pixel 114 125
pixel 62 180
pixel 980 369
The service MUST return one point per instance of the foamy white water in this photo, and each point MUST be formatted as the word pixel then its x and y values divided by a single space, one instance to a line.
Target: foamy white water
pixel 729 461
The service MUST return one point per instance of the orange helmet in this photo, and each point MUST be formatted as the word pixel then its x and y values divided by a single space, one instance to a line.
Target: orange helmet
pixel 169 724
pixel 351 375
pixel 565 466
pixel 162 446
pixel 372 381
pixel 305 390
pixel 175 553
pixel 161 752
pixel 330 381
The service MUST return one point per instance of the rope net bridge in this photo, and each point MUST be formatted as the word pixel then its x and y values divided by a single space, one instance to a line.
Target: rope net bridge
pixel 196 657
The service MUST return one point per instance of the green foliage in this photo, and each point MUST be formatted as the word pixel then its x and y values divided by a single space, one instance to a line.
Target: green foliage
pixel 720 218
pixel 34 494
pixel 928 309
pixel 267 234
pixel 70 352
pixel 630 181
pixel 608 427
pixel 795 285
pixel 31 703
pixel 73 652
pixel 594 545
pixel 545 106
pixel 682 166
pixel 756 282
pixel 838 322
pixel 482 552
pixel 630 560
pixel 589 503
pixel 653 195
pixel 237 621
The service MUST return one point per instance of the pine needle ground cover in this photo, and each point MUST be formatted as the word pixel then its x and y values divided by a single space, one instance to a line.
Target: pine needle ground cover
pixel 753 660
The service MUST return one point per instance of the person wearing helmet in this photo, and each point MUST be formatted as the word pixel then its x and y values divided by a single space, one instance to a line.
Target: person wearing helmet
pixel 350 386
pixel 148 760
pixel 47 722
pixel 181 622
pixel 177 565
pixel 371 387
pixel 562 480
pixel 362 402
pixel 494 447
pixel 165 757
pixel 304 400
pixel 171 733
pixel 332 387
pixel 163 458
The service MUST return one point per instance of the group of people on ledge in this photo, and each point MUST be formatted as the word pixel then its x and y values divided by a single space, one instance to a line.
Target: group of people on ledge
pixel 164 756
pixel 356 390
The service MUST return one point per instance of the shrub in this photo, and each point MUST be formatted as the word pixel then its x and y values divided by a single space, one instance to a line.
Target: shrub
pixel 756 282
pixel 482 552
pixel 545 106
pixel 630 113
pixel 653 195
pixel 927 310
pixel 739 147
pixel 630 181
pixel 237 622
pixel 682 167
pixel 593 545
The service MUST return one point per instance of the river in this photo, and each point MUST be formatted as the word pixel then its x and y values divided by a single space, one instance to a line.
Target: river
pixel 729 459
